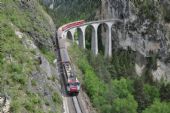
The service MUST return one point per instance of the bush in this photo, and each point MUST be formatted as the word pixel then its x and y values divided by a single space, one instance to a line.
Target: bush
pixel 56 98
pixel 102 94
pixel 122 87
pixel 48 54
pixel 151 92
pixel 33 82
pixel 166 12
pixel 20 78
pixel 158 107
pixel 29 106
pixel 165 92
pixel 16 68
pixel 125 105
pixel 140 95
pixel 15 106
pixel 147 9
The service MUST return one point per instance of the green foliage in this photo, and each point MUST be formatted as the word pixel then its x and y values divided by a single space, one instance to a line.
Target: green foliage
pixel 144 94
pixel 165 92
pixel 151 64
pixel 125 105
pixel 56 98
pixel 166 11
pixel 147 9
pixel 158 107
pixel 151 92
pixel 125 94
pixel 140 95
pixel 53 78
pixel 28 19
pixel 31 102
pixel 122 64
pixel 15 106
pixel 73 10
pixel 99 65
pixel 22 79
pixel 104 95
pixel 16 61
pixel 122 87
pixel 33 82
pixel 17 68
pixel 48 54
pixel 88 36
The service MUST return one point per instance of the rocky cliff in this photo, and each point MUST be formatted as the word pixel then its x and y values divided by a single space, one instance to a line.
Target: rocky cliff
pixel 28 78
pixel 145 30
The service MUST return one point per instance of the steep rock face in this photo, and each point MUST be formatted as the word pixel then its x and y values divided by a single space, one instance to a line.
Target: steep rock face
pixel 141 31
pixel 43 28
pixel 28 78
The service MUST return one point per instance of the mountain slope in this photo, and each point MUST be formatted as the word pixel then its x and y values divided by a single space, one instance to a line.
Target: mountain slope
pixel 28 79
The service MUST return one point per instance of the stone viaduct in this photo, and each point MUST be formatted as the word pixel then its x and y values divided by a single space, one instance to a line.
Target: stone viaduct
pixel 81 29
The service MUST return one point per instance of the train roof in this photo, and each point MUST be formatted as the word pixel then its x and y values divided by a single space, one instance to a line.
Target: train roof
pixel 74 79
pixel 64 55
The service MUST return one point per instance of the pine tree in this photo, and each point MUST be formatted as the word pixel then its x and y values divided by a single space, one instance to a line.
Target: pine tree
pixel 165 92
pixel 140 95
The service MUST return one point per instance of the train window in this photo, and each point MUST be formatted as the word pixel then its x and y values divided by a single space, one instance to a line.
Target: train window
pixel 73 84
pixel 78 83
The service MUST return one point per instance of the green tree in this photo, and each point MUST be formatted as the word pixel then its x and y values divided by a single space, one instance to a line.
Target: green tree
pixel 139 95
pixel 122 87
pixel 125 105
pixel 151 92
pixel 158 107
pixel 165 92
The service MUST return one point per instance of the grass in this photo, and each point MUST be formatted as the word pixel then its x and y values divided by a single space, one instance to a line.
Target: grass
pixel 16 67
pixel 56 98
pixel 52 78
pixel 58 101
pixel 48 54
pixel 32 21
pixel 16 61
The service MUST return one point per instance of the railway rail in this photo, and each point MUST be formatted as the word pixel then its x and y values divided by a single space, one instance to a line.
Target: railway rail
pixel 74 104
pixel 77 105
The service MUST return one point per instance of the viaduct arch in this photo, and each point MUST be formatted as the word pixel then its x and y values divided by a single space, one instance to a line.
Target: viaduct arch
pixel 81 32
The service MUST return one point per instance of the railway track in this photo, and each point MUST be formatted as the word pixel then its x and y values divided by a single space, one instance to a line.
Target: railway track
pixel 75 106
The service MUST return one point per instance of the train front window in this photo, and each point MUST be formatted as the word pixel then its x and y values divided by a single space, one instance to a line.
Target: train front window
pixel 78 83
pixel 73 84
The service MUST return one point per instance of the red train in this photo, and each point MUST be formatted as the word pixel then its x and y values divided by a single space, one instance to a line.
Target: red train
pixel 70 79
pixel 68 26
pixel 71 82
pixel 73 24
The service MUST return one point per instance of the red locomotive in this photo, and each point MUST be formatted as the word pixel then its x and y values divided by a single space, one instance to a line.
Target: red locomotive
pixel 72 83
